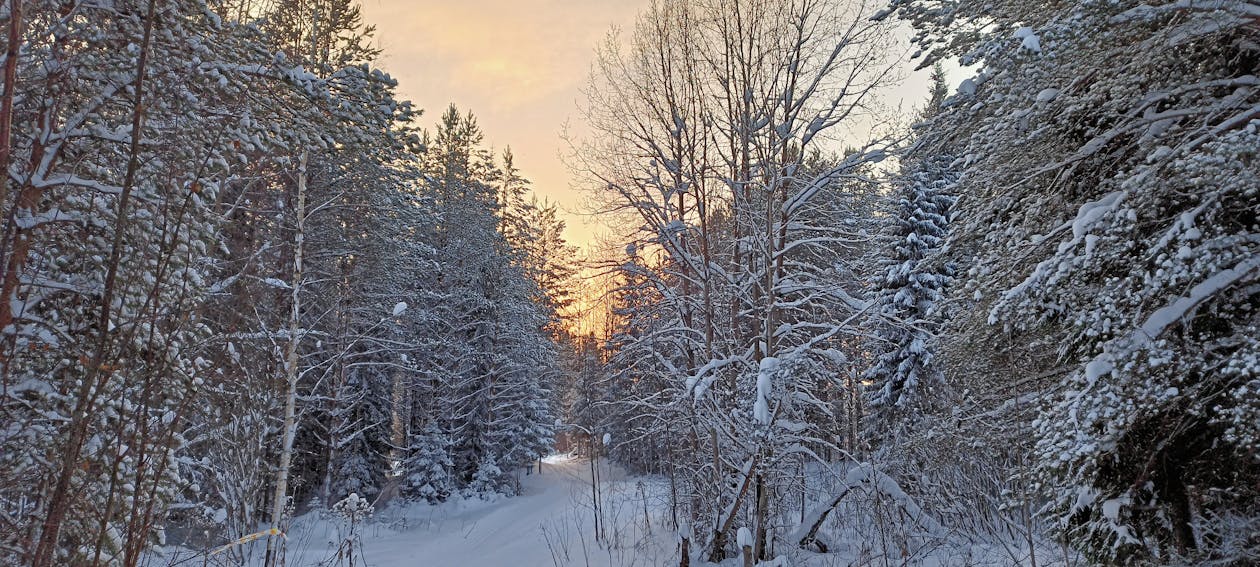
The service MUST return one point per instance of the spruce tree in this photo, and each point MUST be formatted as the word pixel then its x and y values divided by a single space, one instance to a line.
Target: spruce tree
pixel 905 376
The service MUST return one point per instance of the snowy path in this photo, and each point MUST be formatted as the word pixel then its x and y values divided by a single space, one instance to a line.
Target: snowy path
pixel 548 524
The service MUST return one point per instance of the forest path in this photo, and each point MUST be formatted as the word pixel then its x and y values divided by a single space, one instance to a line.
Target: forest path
pixel 505 532
pixel 549 524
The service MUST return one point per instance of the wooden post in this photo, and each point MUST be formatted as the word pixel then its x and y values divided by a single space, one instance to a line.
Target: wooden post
pixel 594 485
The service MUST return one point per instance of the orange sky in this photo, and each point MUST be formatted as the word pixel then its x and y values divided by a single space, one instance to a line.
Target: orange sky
pixel 519 65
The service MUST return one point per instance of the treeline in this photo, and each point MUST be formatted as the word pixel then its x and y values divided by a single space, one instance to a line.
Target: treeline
pixel 239 281
pixel 1032 335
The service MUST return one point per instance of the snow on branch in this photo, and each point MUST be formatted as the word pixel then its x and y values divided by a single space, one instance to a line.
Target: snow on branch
pixel 1169 315
pixel 1086 217
pixel 806 532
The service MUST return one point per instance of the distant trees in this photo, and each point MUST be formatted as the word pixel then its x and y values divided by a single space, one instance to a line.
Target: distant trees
pixel 494 353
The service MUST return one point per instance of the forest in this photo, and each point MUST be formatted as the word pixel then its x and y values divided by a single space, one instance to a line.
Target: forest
pixel 250 296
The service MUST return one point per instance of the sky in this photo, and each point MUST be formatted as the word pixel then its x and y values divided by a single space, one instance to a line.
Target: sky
pixel 519 66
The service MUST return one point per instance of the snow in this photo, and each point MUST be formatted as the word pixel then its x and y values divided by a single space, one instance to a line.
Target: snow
pixel 1159 153
pixel 276 283
pixel 761 408
pixel 1090 212
pixel 1166 316
pixel 26 221
pixel 1087 216
pixel 1029 39
pixel 548 524
pixel 1171 314
pixel 1097 368
pixel 399 308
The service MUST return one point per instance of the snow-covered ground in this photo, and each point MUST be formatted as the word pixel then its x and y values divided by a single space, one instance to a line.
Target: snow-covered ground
pixel 549 524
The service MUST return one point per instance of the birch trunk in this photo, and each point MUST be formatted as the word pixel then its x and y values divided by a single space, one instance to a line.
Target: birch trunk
pixel 400 417
pixel 290 362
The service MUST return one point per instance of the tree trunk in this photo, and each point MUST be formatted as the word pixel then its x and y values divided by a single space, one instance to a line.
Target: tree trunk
pixel 805 535
pixel 673 493
pixel 1180 513
pixel 6 98
pixel 290 362
pixel 594 486
pixel 718 550
pixel 400 403
pixel 759 545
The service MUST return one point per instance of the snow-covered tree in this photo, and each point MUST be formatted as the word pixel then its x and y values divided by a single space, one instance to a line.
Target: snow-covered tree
pixel 905 376
pixel 221 273
pixel 429 467
pixel 128 120
pixel 709 131
pixel 490 370
pixel 1106 215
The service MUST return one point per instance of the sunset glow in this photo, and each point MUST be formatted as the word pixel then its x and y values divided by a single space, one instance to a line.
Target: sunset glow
pixel 519 66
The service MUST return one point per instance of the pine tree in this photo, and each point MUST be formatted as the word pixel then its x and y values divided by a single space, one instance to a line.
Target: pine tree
pixel 490 372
